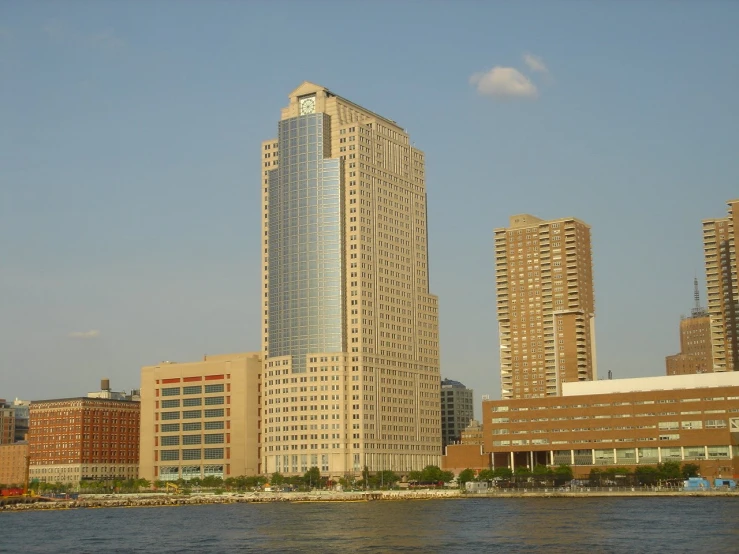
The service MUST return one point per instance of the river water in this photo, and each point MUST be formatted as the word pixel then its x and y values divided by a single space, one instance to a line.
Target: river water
pixel 572 525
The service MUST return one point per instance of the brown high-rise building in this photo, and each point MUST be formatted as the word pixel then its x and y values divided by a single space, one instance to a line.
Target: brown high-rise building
pixel 349 326
pixel 719 245
pixel 73 439
pixel 545 305
pixel 695 342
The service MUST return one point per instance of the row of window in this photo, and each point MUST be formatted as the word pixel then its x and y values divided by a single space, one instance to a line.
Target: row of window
pixel 209 401
pixel 210 438
pixel 194 389
pixel 192 454
pixel 196 426
pixel 193 414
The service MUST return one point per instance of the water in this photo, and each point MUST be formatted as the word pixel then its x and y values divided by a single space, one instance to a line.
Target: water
pixel 592 525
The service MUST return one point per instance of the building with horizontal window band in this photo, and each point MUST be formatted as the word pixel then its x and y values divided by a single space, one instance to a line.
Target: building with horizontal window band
pixel 624 422
pixel 200 419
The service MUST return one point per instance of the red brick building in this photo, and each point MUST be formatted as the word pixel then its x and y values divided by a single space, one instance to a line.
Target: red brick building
pixel 7 423
pixel 76 439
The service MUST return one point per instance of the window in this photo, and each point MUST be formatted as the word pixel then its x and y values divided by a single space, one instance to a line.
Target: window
pixel 192 401
pixel 715 423
pixel 191 454
pixel 192 390
pixel 169 455
pixel 170 415
pixel 213 453
pixel 172 427
pixel 214 438
pixel 191 426
pixel 192 414
pixel 218 412
pixel 170 403
pixel 213 388
pixel 172 440
pixel 171 391
pixel 213 400
pixel 693 424
pixel 213 425
pixel 191 439
pixel 668 425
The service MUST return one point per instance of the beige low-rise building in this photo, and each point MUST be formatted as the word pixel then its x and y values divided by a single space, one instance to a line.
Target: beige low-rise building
pixel 201 419
pixel 13 459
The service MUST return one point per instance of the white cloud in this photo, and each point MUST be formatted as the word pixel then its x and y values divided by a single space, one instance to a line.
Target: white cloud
pixel 535 63
pixel 91 334
pixel 503 82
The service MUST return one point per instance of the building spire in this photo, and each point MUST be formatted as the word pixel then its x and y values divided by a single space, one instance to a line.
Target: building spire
pixel 696 294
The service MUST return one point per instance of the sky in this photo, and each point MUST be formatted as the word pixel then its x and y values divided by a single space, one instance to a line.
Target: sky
pixel 130 164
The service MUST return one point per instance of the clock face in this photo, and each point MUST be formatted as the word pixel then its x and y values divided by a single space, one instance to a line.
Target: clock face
pixel 307 105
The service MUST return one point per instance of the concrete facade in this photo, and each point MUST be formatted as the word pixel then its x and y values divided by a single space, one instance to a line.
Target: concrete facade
pixel 720 237
pixel 201 419
pixel 350 329
pixel 545 305
pixel 76 439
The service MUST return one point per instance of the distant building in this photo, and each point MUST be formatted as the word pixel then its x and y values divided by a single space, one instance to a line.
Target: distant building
pixel 201 419
pixel 72 439
pixel 545 305
pixel 13 463
pixel 457 410
pixel 22 418
pixel 720 237
pixel 472 434
pixel 695 342
pixel 106 392
pixel 7 422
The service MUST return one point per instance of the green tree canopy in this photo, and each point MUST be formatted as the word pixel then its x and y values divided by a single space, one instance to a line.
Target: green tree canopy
pixel 465 476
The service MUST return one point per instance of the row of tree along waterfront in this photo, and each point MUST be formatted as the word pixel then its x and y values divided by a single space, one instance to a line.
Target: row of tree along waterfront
pixel 544 476
pixel 311 479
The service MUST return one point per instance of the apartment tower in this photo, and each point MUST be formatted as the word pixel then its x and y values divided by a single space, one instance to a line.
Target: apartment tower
pixel 545 305
pixel 695 342
pixel 720 237
pixel 350 329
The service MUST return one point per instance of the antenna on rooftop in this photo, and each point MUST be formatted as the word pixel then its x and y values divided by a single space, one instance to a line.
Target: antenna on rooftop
pixel 696 294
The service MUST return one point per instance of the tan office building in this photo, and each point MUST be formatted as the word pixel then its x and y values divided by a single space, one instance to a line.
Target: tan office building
pixel 545 305
pixel 720 237
pixel 201 419
pixel 695 342
pixel 350 329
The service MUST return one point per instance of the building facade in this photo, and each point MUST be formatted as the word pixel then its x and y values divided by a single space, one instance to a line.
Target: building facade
pixel 76 439
pixel 719 246
pixel 350 329
pixel 7 423
pixel 22 414
pixel 473 433
pixel 201 419
pixel 695 342
pixel 545 305
pixel 13 459
pixel 457 410
pixel 623 422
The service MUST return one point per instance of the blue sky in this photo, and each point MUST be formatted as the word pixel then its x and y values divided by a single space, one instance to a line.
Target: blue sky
pixel 130 165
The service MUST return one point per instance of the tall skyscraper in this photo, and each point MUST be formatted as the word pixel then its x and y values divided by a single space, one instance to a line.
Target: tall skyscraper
pixel 457 410
pixel 545 305
pixel 695 342
pixel 350 329
pixel 720 237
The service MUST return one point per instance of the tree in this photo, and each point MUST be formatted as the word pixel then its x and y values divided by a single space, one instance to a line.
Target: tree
pixel 646 475
pixel 415 476
pixel 465 476
pixel 312 477
pixel 562 474
pixel 486 475
pixel 691 470
pixel 503 472
pixel 669 470
pixel 277 479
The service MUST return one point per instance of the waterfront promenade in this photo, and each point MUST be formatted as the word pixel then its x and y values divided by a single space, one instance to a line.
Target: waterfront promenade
pixel 162 499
